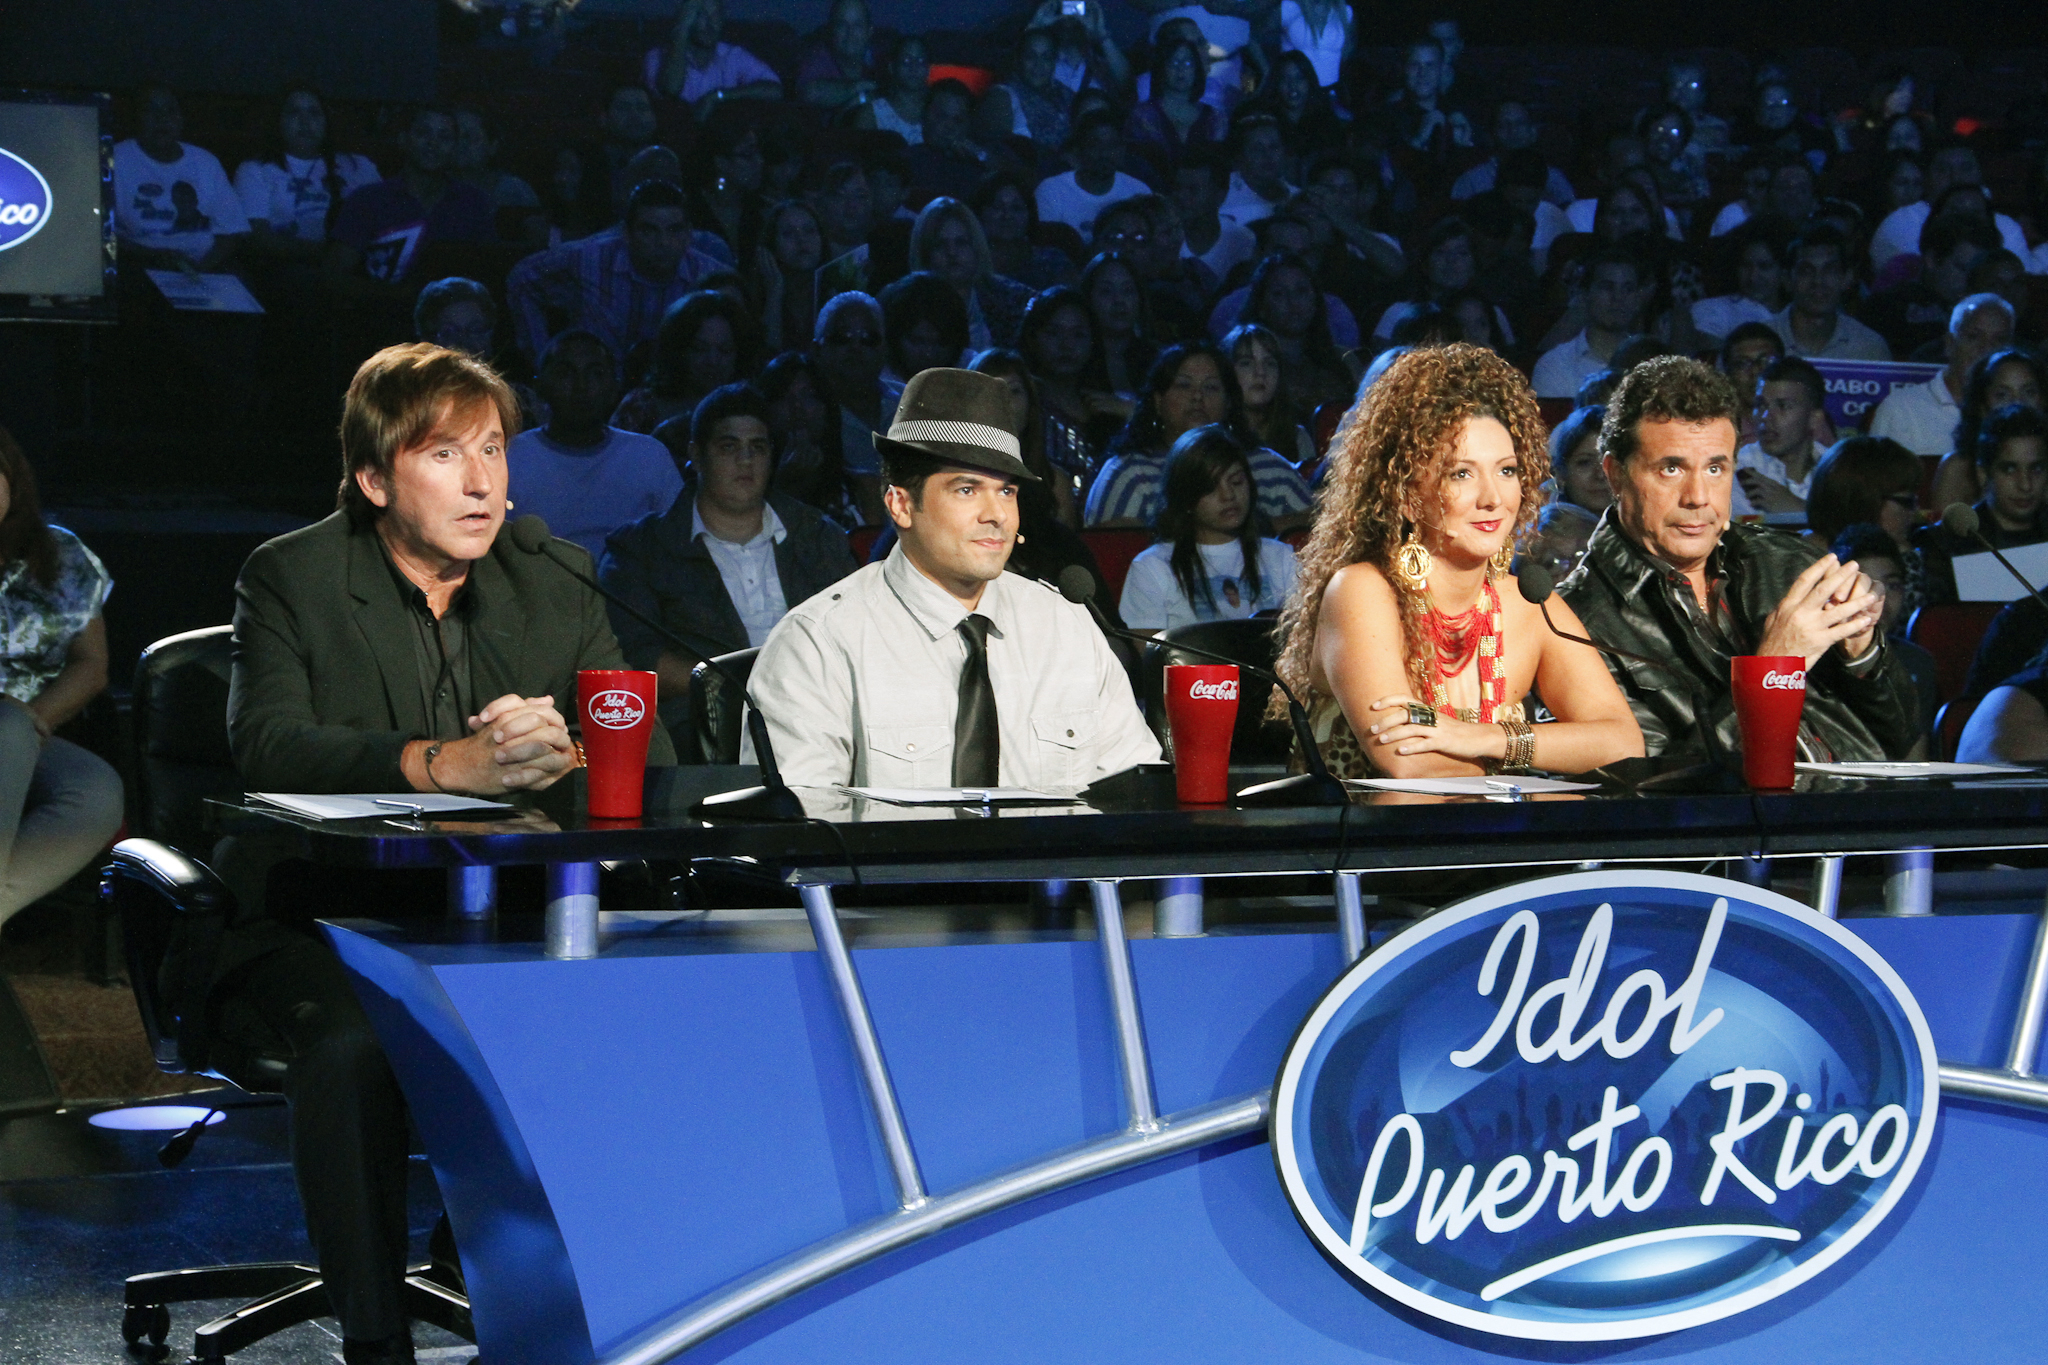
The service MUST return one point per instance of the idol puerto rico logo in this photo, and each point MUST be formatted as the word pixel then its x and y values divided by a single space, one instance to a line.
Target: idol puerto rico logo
pixel 1605 1105
pixel 24 200
pixel 617 709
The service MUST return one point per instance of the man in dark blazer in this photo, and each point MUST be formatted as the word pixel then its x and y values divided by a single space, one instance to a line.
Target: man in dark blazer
pixel 402 644
pixel 723 564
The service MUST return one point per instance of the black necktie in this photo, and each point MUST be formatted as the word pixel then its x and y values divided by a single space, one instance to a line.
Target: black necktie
pixel 977 751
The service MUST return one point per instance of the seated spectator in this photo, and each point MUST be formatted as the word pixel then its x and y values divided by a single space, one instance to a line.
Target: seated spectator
pixel 381 231
pixel 617 286
pixel 461 315
pixel 2012 460
pixel 1875 552
pixel 2016 375
pixel 1258 161
pixel 1283 297
pixel 60 804
pixel 1775 472
pixel 625 127
pixel 947 240
pixel 705 341
pixel 2011 724
pixel 1915 316
pixel 1870 481
pixel 701 69
pixel 174 207
pixel 656 162
pixel 1922 417
pixel 1813 324
pixel 1444 264
pixel 1270 412
pixel 1685 87
pixel 1079 196
pixel 1008 214
pixel 1321 31
pixel 898 106
pixel 1223 37
pixel 289 193
pixel 1338 200
pixel 1174 118
pixel 1145 233
pixel 785 273
pixel 1031 103
pixel 1309 125
pixel 839 67
pixel 1899 233
pixel 1064 351
pixel 1049 512
pixel 925 325
pixel 725 187
pixel 1200 184
pixel 845 207
pixel 803 424
pixel 1900 180
pixel 1088 57
pixel 515 206
pixel 1123 324
pixel 1759 284
pixel 583 477
pixel 1626 154
pixel 1513 131
pixel 1191 385
pixel 1743 357
pixel 1575 461
pixel 948 161
pixel 1418 120
pixel 1681 180
pixel 1775 123
pixel 1563 530
pixel 849 348
pixel 1619 287
pixel 1210 564
pixel 723 564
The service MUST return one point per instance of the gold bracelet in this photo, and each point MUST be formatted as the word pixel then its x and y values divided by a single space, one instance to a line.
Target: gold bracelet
pixel 1521 745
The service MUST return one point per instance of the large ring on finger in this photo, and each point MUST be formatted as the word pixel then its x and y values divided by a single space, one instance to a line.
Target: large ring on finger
pixel 1419 714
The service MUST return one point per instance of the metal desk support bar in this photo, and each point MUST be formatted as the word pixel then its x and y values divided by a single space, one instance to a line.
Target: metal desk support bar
pixel 1123 1004
pixel 2017 1083
pixel 1350 917
pixel 473 892
pixel 570 930
pixel 860 1025
pixel 1827 884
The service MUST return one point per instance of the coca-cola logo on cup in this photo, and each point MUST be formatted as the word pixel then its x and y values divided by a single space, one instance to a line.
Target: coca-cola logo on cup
pixel 1225 690
pixel 1795 681
pixel 616 709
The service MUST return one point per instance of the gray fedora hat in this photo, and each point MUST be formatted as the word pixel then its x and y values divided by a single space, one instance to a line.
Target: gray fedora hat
pixel 961 417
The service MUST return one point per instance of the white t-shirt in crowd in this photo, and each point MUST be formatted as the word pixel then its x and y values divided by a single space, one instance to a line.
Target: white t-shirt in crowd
pixel 1153 599
pixel 1582 211
pixel 1062 200
pixel 293 198
pixel 1561 369
pixel 1920 417
pixel 1234 242
pixel 586 493
pixel 1733 215
pixel 1325 48
pixel 1752 456
pixel 178 206
pixel 1723 313
pixel 1245 205
pixel 1899 235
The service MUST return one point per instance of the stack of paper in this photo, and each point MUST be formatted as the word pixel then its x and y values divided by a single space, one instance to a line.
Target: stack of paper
pixel 357 806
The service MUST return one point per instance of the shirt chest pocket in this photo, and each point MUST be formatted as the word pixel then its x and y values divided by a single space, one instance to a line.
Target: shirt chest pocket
pixel 909 756
pixel 1062 745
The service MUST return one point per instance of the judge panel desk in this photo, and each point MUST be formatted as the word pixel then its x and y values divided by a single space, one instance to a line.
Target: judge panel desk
pixel 742 1141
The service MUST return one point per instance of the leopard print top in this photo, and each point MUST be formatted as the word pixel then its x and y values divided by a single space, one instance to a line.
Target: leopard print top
pixel 1342 753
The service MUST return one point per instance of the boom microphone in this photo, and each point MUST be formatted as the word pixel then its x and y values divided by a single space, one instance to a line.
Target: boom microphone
pixel 772 800
pixel 1316 787
pixel 1960 519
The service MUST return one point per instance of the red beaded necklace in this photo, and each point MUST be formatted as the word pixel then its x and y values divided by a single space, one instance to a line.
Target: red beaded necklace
pixel 1457 638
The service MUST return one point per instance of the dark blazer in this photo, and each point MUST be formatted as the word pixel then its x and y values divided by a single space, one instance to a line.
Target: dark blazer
pixel 324 695
pixel 658 566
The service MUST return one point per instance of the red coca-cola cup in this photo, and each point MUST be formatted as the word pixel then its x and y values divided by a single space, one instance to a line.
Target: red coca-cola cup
pixel 1201 712
pixel 616 706
pixel 1770 692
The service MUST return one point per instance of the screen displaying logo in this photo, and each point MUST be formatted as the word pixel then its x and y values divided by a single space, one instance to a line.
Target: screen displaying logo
pixel 24 200
pixel 1604 1105
pixel 616 709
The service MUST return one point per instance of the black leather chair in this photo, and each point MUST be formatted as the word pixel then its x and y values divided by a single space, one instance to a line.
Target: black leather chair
pixel 1256 740
pixel 172 910
pixel 181 735
pixel 717 709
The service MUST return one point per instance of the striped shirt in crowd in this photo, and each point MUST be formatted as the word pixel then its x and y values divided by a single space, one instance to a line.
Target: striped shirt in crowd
pixel 1132 488
pixel 591 283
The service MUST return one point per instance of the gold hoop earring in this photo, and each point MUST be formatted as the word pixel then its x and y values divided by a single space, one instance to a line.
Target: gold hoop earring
pixel 1411 564
pixel 1502 562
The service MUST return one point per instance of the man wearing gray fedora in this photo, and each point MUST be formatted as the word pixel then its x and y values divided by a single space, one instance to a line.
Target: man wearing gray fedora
pixel 935 668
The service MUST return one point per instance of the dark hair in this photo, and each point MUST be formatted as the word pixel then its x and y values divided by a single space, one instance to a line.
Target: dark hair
pixel 1566 436
pixel 678 330
pixel 918 297
pixel 1596 388
pixel 1427 324
pixel 1792 369
pixel 1242 127
pixel 441 295
pixel 724 402
pixel 1163 53
pixel 1651 206
pixel 330 170
pixel 570 336
pixel 908 470
pixel 1317 345
pixel 1209 157
pixel 1862 541
pixel 1618 253
pixel 949 88
pixel 1146 431
pixel 1448 228
pixel 1941 235
pixel 1977 391
pixel 394 400
pixel 1089 121
pixel 1819 234
pixel 1671 388
pixel 655 194
pixel 1854 479
pixel 825 486
pixel 1106 260
pixel 1276 427
pixel 1748 331
pixel 1195 465
pixel 2013 422
pixel 986 189
pixel 1043 308
pixel 24 535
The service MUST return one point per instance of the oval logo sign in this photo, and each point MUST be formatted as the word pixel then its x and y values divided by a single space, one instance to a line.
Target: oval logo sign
pixel 616 709
pixel 25 201
pixel 1605 1105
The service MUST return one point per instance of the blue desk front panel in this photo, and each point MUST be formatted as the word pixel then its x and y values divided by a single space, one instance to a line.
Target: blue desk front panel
pixel 685 1114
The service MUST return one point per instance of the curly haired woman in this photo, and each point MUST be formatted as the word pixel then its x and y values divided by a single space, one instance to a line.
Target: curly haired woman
pixel 1415 660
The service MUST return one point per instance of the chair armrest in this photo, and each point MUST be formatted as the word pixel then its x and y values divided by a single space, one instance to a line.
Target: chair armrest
pixel 187 885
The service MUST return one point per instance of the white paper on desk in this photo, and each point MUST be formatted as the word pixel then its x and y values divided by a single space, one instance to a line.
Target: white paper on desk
pixel 205 293
pixel 1882 769
pixel 357 806
pixel 1468 786
pixel 1981 578
pixel 953 796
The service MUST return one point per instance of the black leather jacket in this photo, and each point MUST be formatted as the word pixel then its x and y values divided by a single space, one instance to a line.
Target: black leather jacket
pixel 1633 601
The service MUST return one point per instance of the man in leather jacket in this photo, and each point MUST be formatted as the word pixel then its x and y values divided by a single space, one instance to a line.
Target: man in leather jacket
pixel 1668 577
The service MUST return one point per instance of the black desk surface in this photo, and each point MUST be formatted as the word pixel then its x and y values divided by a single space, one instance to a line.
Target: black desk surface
pixel 1379 831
